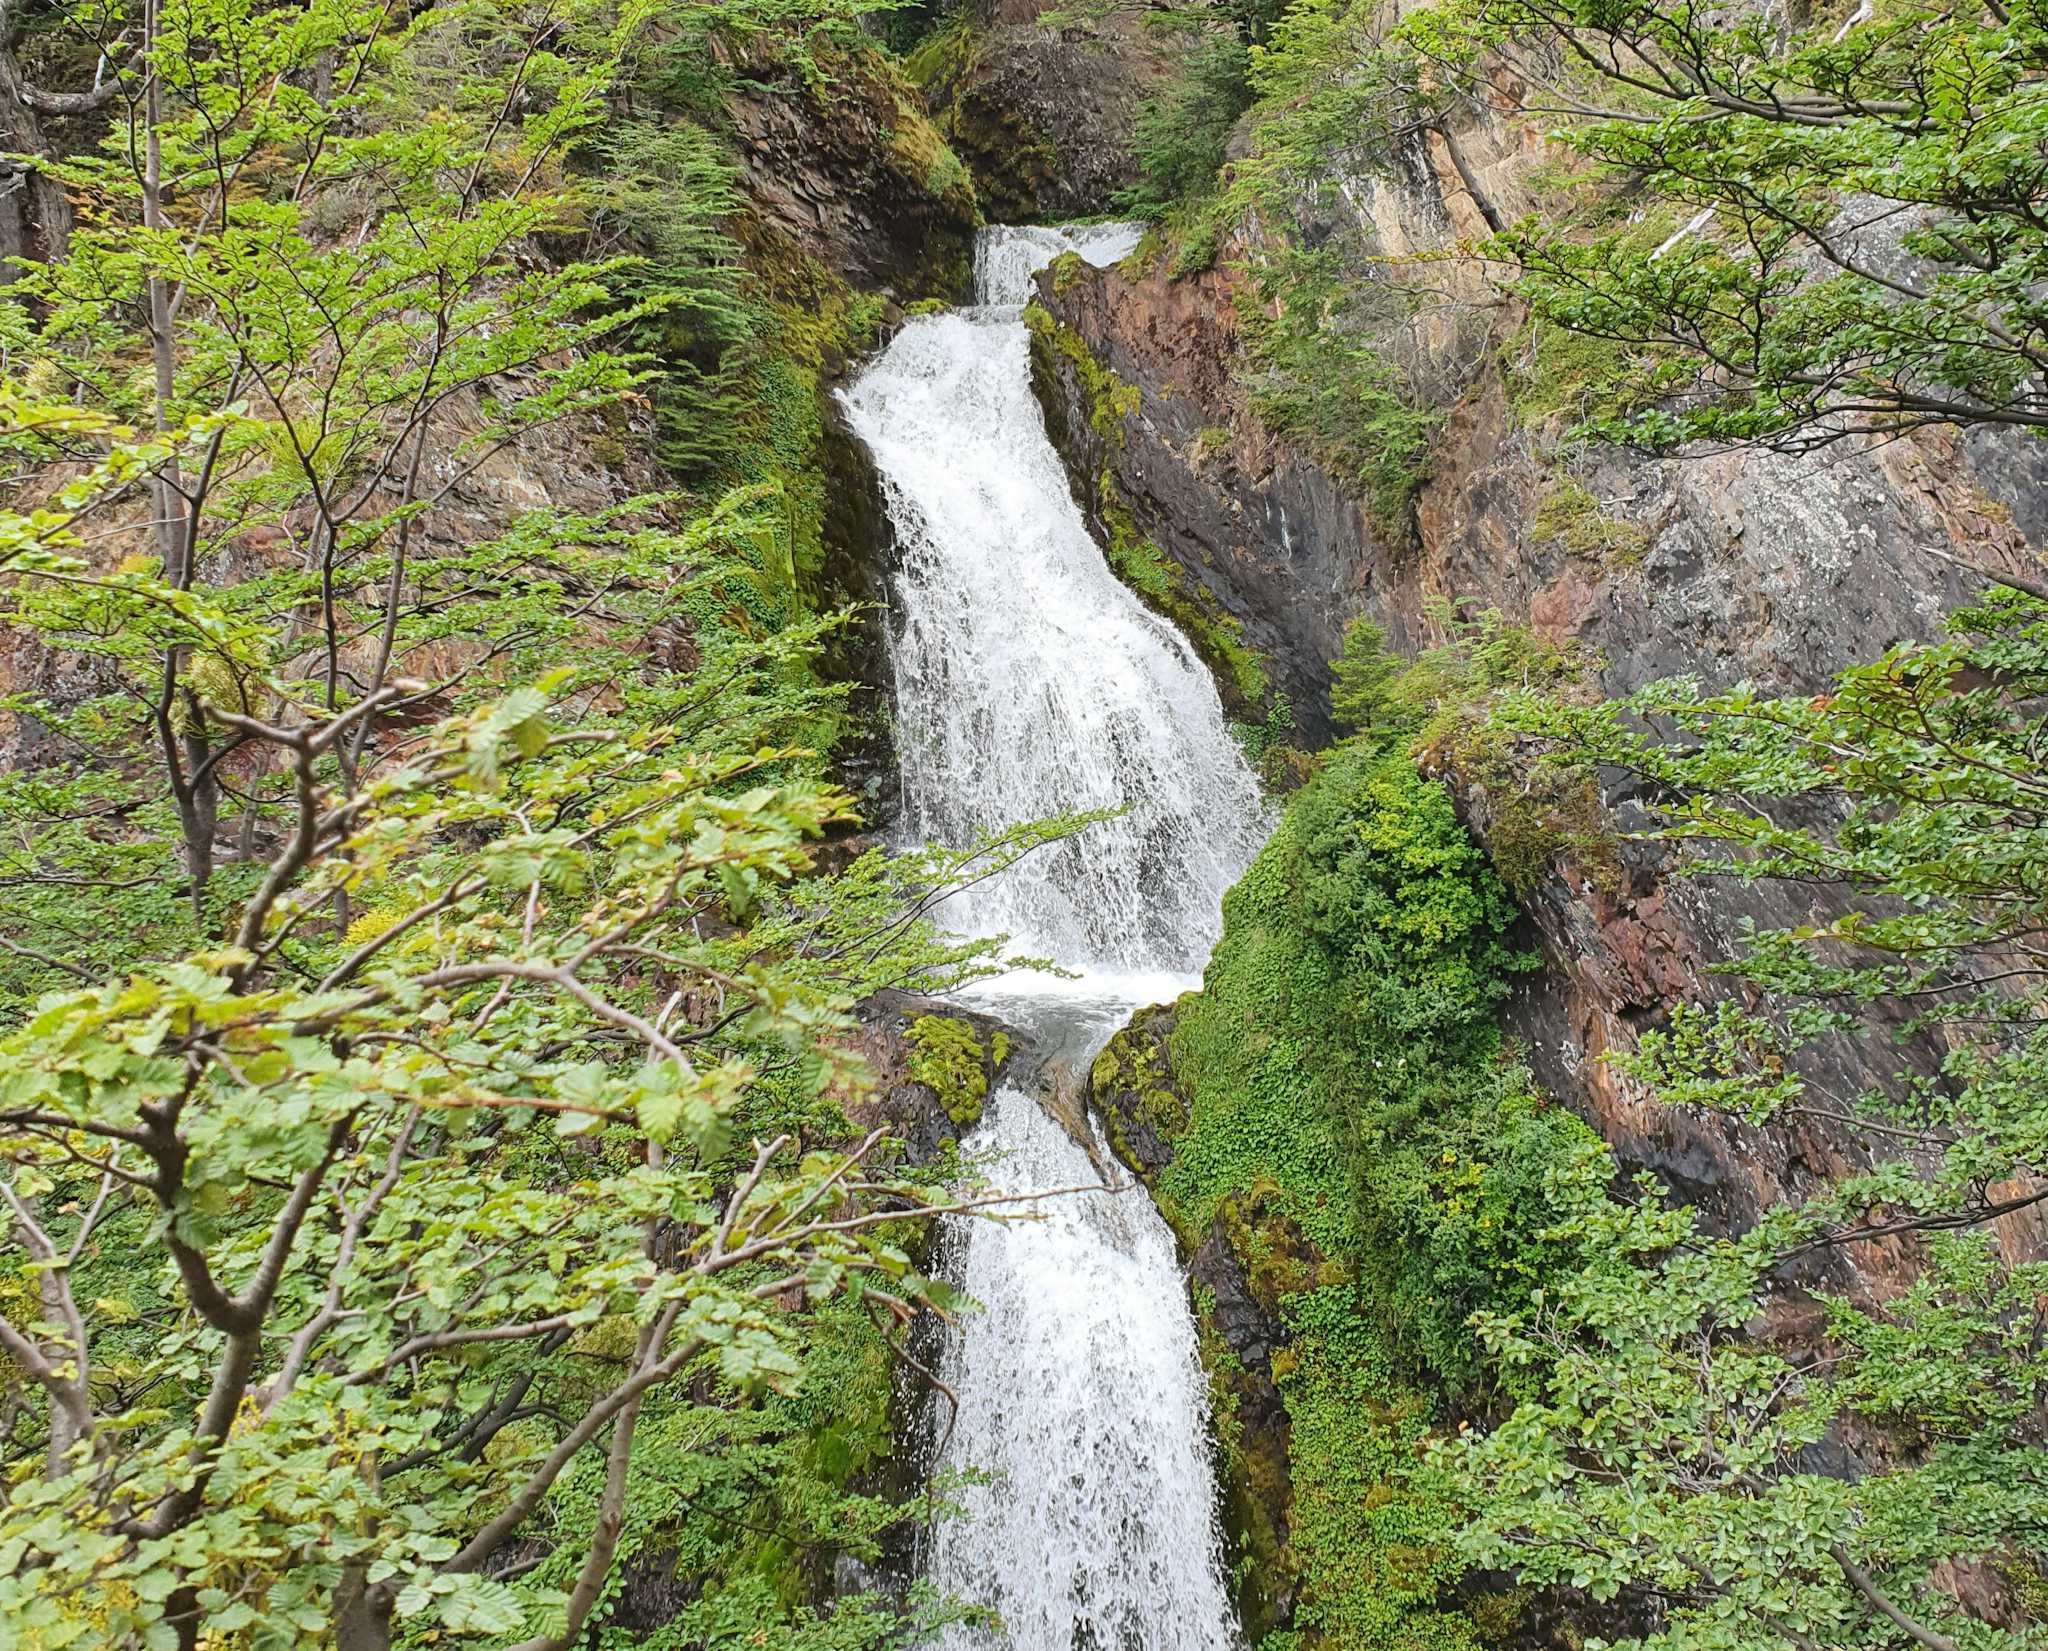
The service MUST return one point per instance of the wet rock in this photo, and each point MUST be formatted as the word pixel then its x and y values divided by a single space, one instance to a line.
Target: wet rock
pixel 1239 1338
pixel 859 558
pixel 1043 117
pixel 912 1110
pixel 1132 1088
pixel 1265 535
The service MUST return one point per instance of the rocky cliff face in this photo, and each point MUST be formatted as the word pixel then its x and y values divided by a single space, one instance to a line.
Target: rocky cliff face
pixel 1774 569
pixel 1043 114
pixel 854 175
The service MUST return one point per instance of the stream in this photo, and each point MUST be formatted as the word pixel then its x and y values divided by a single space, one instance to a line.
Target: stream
pixel 1030 682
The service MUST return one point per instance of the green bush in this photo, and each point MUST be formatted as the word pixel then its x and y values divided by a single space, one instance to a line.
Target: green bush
pixel 1183 132
pixel 1318 373
pixel 1382 1174
pixel 1362 953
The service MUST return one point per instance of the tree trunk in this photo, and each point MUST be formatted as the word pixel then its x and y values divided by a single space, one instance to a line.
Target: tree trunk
pixel 362 1613
pixel 35 213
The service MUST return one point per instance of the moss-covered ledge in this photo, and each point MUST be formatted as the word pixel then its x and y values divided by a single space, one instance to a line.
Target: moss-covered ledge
pixel 957 1061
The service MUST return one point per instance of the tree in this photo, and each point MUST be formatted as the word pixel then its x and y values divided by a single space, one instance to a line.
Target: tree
pixel 381 1173
pixel 1691 1467
pixel 358 1153
pixel 368 353
pixel 1855 241
pixel 35 212
pixel 1879 1478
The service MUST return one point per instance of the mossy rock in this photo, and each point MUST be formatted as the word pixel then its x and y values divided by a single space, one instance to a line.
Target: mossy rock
pixel 1569 517
pixel 1252 1476
pixel 1131 1086
pixel 956 1060
pixel 1277 1259
pixel 1014 165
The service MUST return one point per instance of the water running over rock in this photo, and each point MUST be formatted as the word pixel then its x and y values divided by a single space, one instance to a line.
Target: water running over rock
pixel 1030 682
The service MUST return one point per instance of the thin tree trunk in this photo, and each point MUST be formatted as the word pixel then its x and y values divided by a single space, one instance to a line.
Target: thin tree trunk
pixel 35 213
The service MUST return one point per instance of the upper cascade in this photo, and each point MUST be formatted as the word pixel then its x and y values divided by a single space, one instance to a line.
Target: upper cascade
pixel 1030 682
pixel 1007 256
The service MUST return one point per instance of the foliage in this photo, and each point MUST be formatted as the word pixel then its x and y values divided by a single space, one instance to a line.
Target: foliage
pixel 1273 748
pixel 310 1131
pixel 1857 245
pixel 412 906
pixel 667 190
pixel 1318 372
pixel 1373 1541
pixel 1362 960
pixel 945 54
pixel 1542 801
pixel 1183 130
pixel 1910 789
pixel 1673 1455
pixel 1560 380
pixel 1672 1446
pixel 1379 1172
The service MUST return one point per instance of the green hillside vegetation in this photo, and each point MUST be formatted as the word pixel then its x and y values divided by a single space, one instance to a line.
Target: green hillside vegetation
pixel 433 923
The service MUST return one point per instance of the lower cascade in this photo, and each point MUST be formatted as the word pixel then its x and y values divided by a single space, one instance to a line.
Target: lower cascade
pixel 1029 683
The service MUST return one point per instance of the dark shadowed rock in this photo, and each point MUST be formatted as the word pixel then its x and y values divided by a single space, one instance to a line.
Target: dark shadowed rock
pixel 1043 117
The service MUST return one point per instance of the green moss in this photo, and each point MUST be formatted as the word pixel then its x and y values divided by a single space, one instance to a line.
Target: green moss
pixel 1065 270
pixel 1108 399
pixel 1363 950
pixel 1011 161
pixel 919 151
pixel 948 1057
pixel 1373 1545
pixel 1130 1080
pixel 1138 263
pixel 1277 1258
pixel 944 58
pixel 810 323
pixel 1353 1134
pixel 1559 379
pixel 1252 1478
pixel 1570 518
pixel 1217 636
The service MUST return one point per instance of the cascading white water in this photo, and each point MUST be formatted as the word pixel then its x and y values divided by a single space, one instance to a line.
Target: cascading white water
pixel 1030 682
pixel 1008 257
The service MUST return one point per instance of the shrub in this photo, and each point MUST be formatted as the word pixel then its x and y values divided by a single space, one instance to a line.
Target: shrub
pixel 1183 132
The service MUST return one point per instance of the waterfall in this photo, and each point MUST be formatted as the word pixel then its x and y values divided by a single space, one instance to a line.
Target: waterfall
pixel 1029 683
